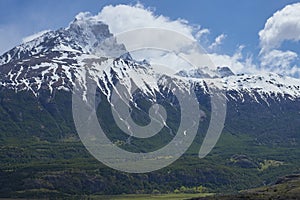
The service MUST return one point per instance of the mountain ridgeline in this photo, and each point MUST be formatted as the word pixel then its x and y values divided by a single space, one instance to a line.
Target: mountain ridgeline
pixel 41 154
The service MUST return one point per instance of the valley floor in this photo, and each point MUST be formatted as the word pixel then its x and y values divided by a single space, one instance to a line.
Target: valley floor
pixel 153 196
pixel 171 196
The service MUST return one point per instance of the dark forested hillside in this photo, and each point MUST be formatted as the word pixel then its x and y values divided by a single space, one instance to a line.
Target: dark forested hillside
pixel 41 153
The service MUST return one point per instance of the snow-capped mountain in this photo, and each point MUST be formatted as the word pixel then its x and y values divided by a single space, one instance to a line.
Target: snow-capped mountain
pixel 40 143
pixel 54 60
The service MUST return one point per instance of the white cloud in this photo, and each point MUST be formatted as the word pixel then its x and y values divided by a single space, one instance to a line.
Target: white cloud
pixel 218 41
pixel 122 18
pixel 277 58
pixel 201 33
pixel 33 36
pixel 236 62
pixel 279 61
pixel 283 25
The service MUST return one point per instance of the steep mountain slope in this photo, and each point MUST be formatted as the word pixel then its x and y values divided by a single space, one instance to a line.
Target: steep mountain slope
pixel 57 58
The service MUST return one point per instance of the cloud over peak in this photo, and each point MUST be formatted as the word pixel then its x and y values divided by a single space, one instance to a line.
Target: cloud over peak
pixel 122 18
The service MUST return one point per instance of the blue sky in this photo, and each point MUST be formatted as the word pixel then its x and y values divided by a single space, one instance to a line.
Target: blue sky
pixel 239 21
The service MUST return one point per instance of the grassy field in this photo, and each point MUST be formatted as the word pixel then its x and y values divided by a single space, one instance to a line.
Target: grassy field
pixel 152 196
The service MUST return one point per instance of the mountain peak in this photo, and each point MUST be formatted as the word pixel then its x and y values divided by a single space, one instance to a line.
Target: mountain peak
pixel 224 71
pixel 206 72
pixel 87 31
